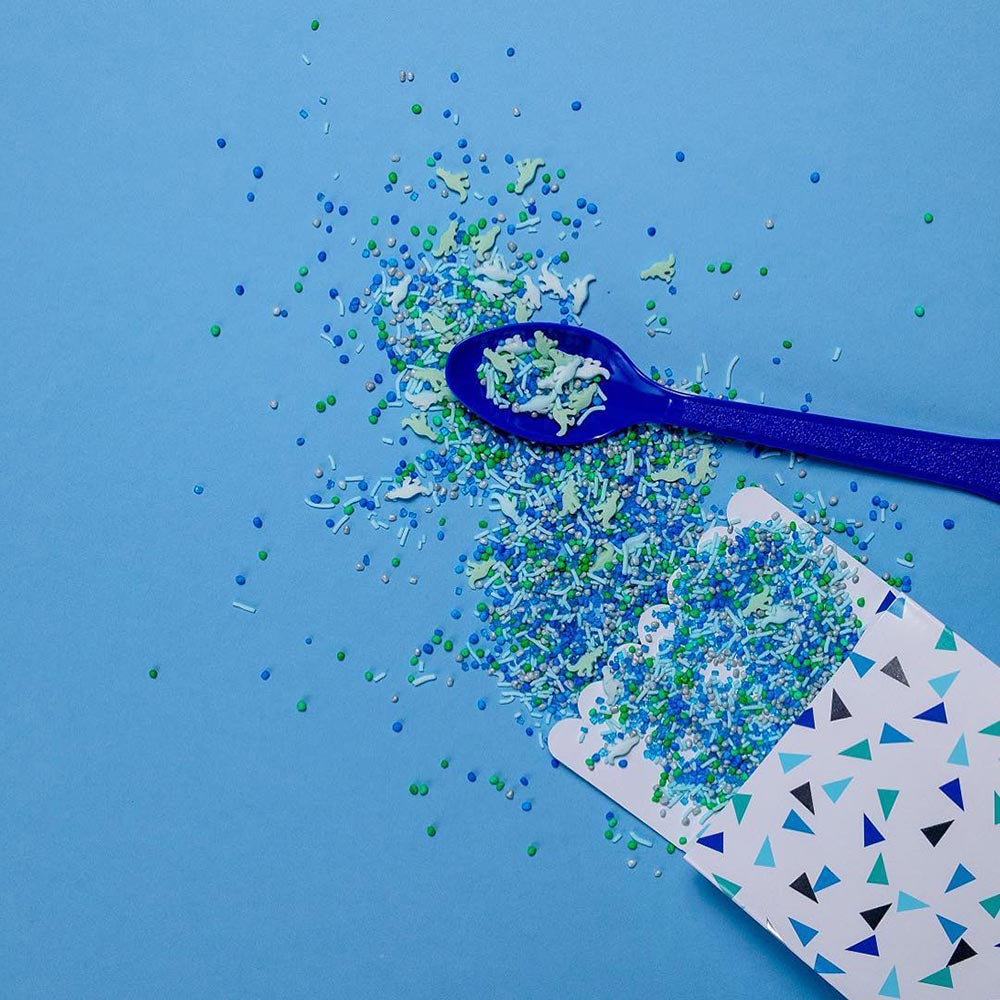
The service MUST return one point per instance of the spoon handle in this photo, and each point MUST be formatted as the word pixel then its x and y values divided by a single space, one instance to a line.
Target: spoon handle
pixel 971 464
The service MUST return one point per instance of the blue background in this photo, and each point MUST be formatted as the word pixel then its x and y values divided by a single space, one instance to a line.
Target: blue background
pixel 196 836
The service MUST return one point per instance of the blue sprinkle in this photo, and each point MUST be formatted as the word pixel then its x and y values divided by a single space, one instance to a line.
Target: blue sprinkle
pixel 265 674
pixel 576 105
pixel 240 289
pixel 257 522
pixel 651 230
pixel 309 640
pixel 775 360
pixel 250 196
pixel 471 776
pixel 220 142
pixel 240 579
pixel 814 177
pixel 510 52
pixel 679 156
pixel 453 77
pixel 300 441
pixel 526 806
pixel 481 704
pixel 948 524
pixel 524 781
pixel 397 726
pixel 258 172
pixel 199 489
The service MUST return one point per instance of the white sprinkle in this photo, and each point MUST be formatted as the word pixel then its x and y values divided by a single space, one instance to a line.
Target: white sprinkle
pixel 640 840
pixel 378 677
pixel 729 371
pixel 908 563
pixel 836 354
pixel 326 128
pixel 781 481
pixel 319 506
pixel 359 348
pixel 305 59
pixel 424 679
pixel 386 440
pixel 244 607
pixel 704 364
pixel 340 524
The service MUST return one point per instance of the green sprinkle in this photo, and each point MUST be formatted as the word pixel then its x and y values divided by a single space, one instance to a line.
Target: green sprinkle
pixel 154 673
pixel 532 850
pixel 300 705
pixel 314 25
pixel 215 330
pixel 393 177
pixel 763 272
pixel 414 789
pixel 320 406
pixel 432 831
pixel 331 400
pixel 416 109
pixel 341 655
pixel 444 763
pixel 928 218
pixel 725 267
pixel 262 555
pixel 787 345
pixel 423 789
pixel 918 311
pixel 710 268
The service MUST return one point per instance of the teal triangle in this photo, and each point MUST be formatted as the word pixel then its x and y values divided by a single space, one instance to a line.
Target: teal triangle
pixel 890 734
pixel 961 877
pixel 861 663
pixel 960 755
pixel 729 888
pixel 897 606
pixel 860 750
pixel 803 932
pixel 878 875
pixel 908 902
pixel 890 988
pixel 825 879
pixel 887 799
pixel 765 856
pixel 942 683
pixel 740 802
pixel 947 641
pixel 996 808
pixel 991 905
pixel 993 730
pixel 825 967
pixel 834 789
pixel 940 978
pixel 790 761
pixel 793 821
pixel 951 928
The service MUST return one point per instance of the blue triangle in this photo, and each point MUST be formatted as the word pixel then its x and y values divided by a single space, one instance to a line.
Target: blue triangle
pixel 861 663
pixel 713 841
pixel 890 988
pixel 936 713
pixel 869 946
pixel 961 877
pixel 803 932
pixel 834 789
pixel 793 821
pixel 825 967
pixel 807 719
pixel 951 928
pixel 960 755
pixel 908 902
pixel 942 683
pixel 825 879
pixel 953 789
pixel 765 856
pixel 896 608
pixel 872 833
pixel 890 734
pixel 886 601
pixel 790 761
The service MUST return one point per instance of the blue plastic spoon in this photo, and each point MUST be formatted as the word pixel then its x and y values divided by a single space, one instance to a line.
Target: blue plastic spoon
pixel 971 464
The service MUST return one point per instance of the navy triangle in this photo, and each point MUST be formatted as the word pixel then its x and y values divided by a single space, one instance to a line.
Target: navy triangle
pixel 936 713
pixel 953 789
pixel 807 719
pixel 713 841
pixel 886 601
pixel 872 833
pixel 869 946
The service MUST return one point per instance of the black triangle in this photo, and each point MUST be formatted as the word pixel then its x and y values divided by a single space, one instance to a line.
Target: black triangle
pixel 873 917
pixel 838 710
pixel 804 794
pixel 894 669
pixel 803 885
pixel 962 951
pixel 936 832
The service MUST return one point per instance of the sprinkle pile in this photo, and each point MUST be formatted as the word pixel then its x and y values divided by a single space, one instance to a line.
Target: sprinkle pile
pixel 533 376
pixel 758 618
